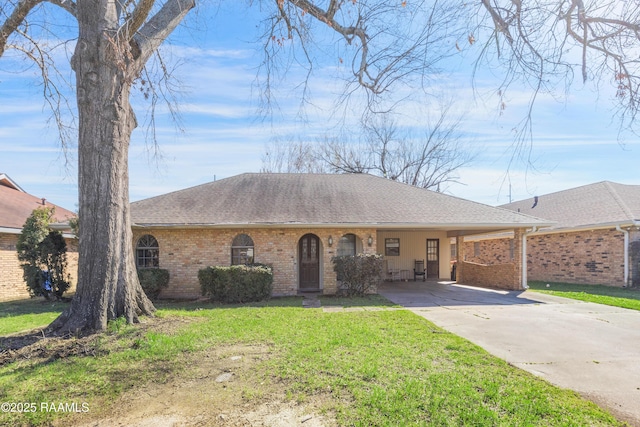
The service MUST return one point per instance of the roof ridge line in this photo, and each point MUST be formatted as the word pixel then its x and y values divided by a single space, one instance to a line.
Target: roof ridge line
pixel 627 211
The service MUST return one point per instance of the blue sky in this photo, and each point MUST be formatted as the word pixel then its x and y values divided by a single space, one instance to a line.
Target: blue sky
pixel 575 140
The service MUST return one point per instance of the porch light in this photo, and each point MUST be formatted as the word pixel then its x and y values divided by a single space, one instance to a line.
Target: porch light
pixel 370 240
pixel 330 241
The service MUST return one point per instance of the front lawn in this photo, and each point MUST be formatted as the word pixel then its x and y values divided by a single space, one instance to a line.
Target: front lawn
pixel 383 367
pixel 16 316
pixel 608 295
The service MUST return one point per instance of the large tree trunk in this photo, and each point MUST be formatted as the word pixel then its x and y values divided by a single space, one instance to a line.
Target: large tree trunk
pixel 108 285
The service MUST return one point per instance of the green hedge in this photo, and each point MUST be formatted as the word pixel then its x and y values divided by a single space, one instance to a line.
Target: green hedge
pixel 153 280
pixel 236 284
pixel 360 274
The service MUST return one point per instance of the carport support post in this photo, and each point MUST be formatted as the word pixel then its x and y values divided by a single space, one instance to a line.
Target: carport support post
pixel 520 258
pixel 459 258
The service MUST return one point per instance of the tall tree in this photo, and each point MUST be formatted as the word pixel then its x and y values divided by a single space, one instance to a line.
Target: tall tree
pixel 380 147
pixel 114 42
pixel 385 42
pixel 430 160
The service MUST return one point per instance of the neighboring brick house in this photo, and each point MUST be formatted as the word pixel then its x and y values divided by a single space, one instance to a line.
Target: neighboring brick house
pixel 298 222
pixel 15 207
pixel 595 238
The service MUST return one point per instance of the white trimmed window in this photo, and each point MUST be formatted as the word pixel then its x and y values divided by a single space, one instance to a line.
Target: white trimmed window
pixel 147 252
pixel 347 245
pixel 242 250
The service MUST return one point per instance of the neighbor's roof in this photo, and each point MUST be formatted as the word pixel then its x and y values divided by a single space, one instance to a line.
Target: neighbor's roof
pixel 16 206
pixel 601 204
pixel 321 200
pixel 5 181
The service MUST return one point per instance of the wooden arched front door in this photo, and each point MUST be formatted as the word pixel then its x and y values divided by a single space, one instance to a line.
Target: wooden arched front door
pixel 309 253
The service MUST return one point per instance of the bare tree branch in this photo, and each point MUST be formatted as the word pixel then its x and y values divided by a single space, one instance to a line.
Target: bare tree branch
pixel 68 5
pixel 542 41
pixel 158 28
pixel 15 19
pixel 138 18
pixel 385 43
pixel 380 148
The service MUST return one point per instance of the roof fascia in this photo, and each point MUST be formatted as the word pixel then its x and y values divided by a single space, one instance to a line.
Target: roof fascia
pixel 453 229
pixel 8 182
pixel 603 226
pixel 607 226
pixel 8 230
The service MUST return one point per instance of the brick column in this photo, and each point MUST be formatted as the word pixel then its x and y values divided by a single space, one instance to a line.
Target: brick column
pixel 634 258
pixel 518 252
pixel 460 250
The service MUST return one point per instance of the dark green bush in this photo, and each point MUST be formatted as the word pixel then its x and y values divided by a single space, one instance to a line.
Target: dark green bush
pixel 153 280
pixel 360 274
pixel 43 256
pixel 236 284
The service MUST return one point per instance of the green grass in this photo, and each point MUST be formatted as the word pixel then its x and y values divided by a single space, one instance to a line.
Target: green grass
pixel 16 316
pixel 608 295
pixel 378 368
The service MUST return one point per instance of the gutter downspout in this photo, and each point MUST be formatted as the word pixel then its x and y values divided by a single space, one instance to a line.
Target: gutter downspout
pixel 626 254
pixel 524 255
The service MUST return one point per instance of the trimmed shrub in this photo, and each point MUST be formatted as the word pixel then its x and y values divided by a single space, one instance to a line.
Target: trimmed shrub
pixel 153 280
pixel 360 274
pixel 237 283
pixel 43 256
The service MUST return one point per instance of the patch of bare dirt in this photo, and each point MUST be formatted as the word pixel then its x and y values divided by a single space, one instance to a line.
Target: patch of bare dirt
pixel 220 388
pixel 224 386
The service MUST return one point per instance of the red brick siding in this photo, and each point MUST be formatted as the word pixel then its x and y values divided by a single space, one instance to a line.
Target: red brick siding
pixel 500 276
pixel 495 251
pixel 184 252
pixel 584 257
pixel 495 265
pixel 12 285
pixel 634 258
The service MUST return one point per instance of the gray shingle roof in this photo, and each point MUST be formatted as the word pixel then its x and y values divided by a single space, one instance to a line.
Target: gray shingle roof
pixel 322 200
pixel 600 204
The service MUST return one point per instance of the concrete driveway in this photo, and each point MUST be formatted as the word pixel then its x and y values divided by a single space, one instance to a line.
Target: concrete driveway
pixel 590 348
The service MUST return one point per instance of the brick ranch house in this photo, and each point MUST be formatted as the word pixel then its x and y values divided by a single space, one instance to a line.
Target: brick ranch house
pixel 16 206
pixel 298 222
pixel 595 238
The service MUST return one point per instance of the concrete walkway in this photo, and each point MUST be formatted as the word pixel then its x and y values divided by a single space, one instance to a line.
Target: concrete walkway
pixel 590 348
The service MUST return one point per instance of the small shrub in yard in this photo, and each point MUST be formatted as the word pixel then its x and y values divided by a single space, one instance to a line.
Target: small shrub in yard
pixel 236 284
pixel 153 280
pixel 43 256
pixel 359 274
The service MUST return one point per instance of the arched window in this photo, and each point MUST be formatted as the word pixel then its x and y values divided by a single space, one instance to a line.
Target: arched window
pixel 347 245
pixel 147 252
pixel 242 250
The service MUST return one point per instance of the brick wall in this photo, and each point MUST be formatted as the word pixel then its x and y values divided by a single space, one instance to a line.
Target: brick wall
pixel 494 251
pixel 185 251
pixel 584 257
pixel 495 263
pixel 634 258
pixel 497 276
pixel 12 285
